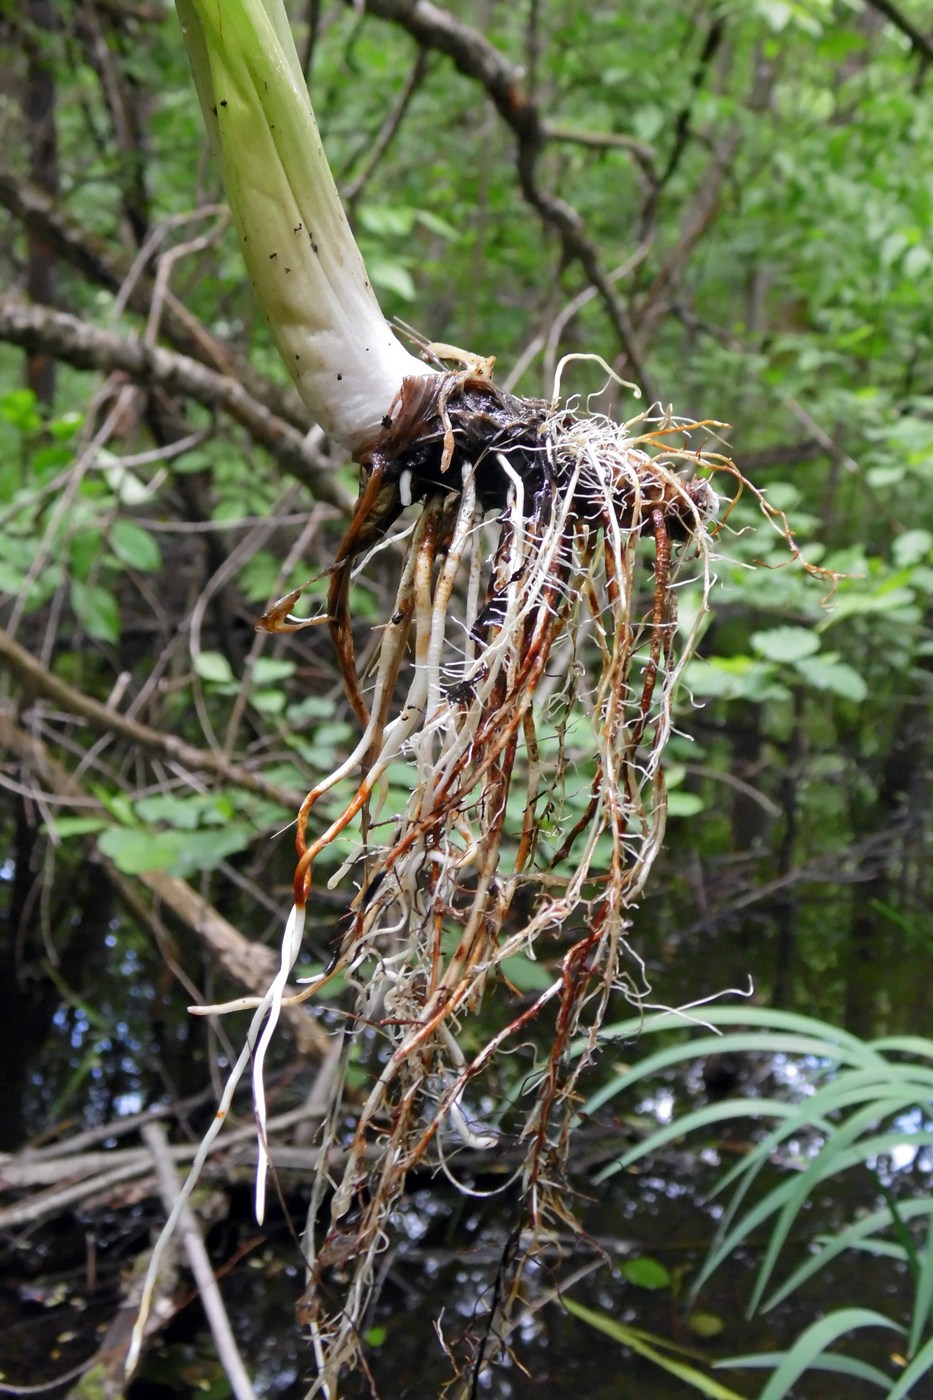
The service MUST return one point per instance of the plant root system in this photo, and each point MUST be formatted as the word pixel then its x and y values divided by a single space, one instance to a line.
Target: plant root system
pixel 525 662
pixel 523 687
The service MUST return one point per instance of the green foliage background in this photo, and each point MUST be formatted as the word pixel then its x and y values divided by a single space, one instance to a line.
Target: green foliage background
pixel 761 173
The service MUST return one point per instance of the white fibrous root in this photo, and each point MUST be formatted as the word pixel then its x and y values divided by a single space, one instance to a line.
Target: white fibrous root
pixel 525 682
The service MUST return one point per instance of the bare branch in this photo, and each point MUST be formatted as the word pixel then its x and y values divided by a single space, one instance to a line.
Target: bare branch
pixel 88 347
pixel 153 1135
pixel 700 215
pixel 603 141
pixel 476 58
pixel 389 129
pixel 103 265
pixel 683 127
pixel 919 41
pixel 38 680
pixel 123 102
pixel 76 1176
pixel 250 965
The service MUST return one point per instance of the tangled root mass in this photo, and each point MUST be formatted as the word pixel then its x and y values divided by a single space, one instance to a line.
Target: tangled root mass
pixel 525 677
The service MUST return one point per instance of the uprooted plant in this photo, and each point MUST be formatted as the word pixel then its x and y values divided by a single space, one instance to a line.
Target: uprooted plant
pixel 524 645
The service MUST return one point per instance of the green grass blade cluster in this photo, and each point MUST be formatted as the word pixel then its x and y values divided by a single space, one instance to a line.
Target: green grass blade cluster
pixel 809 1353
pixel 849 1116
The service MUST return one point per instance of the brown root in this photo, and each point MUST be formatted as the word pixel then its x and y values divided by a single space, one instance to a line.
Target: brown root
pixel 525 649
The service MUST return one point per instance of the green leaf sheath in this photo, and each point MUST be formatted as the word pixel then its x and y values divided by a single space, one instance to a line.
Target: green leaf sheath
pixel 298 247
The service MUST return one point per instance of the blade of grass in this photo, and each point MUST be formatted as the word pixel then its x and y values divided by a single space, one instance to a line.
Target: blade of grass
pixel 749 1042
pixel 700 1118
pixel 839 1044
pixel 775 1201
pixel 923 1291
pixel 836 1157
pixel 634 1339
pixel 836 1365
pixel 810 1346
pixel 854 1236
pixel 854 1086
pixel 921 1365
pixel 917 1046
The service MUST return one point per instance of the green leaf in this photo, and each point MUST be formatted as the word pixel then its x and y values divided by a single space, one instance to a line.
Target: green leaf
pixel 734 678
pixel 184 853
pixel 198 851
pixel 836 676
pixel 63 827
pixel 267 670
pixel 785 643
pixel 117 804
pixel 339 732
pixel 190 462
pixel 135 546
pixel 391 276
pixel 213 666
pixel 684 804
pixel 646 1272
pixel 134 851
pixel 126 485
pixel 46 461
pixel 18 408
pixel 269 702
pixel 97 610
pixel 387 220
pixel 911 547
pixel 65 427
pixel 857 604
pixel 311 707
pixel 706 1325
pixel 648 121
pixel 84 552
pixel 882 477
pixel 526 974
pixel 184 813
pixel 437 225
pixel 916 261
pixel 892 248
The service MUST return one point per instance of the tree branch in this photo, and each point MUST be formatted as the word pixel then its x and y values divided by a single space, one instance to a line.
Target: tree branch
pixel 918 40
pixel 87 347
pixel 700 214
pixel 153 1135
pixel 603 141
pixel 476 58
pixel 72 1177
pixel 683 126
pixel 389 129
pixel 105 267
pixel 250 965
pixel 36 679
